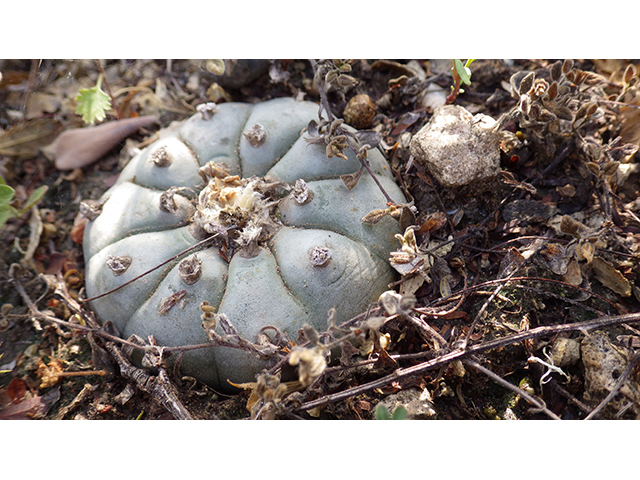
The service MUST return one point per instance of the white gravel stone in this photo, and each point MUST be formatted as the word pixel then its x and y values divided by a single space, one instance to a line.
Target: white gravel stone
pixel 457 147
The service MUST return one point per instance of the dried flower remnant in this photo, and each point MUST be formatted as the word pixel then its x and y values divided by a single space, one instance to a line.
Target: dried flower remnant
pixel 90 209
pixel 206 110
pixel 311 362
pixel 190 269
pixel 168 303
pixel 118 264
pixel 301 192
pixel 161 157
pixel 256 136
pixel 319 256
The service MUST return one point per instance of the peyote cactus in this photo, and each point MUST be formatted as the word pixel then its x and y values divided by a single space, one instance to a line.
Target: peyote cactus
pixel 282 259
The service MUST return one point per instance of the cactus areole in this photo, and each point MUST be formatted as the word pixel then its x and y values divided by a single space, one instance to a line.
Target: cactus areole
pixel 289 241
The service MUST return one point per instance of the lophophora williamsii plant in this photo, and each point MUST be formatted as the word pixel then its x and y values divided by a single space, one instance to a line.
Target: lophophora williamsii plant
pixel 249 221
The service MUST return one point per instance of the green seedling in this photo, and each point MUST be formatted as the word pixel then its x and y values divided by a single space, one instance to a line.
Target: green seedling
pixel 7 193
pixel 93 103
pixel 461 74
pixel 382 413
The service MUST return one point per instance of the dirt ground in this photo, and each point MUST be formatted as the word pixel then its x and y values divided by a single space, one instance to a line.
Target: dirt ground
pixel 531 313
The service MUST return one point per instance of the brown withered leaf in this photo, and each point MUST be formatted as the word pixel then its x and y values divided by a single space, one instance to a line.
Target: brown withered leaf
pixel 350 180
pixel 27 138
pixel 630 122
pixel 434 221
pixel 24 410
pixel 610 277
pixel 573 276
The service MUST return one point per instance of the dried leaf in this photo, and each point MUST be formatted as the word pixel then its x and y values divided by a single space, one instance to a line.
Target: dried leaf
pixel 24 410
pixel 27 138
pixel 374 216
pixel 610 277
pixel 434 222
pixel 351 180
pixel 629 73
pixel 78 147
pixel 573 276
pixel 16 390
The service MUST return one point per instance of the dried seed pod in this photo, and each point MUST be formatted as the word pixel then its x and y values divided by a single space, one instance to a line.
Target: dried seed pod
pixel 301 192
pixel 256 136
pixel 567 65
pixel 319 256
pixel 556 70
pixel 206 110
pixel 190 269
pixel 580 77
pixel 161 157
pixel 360 111
pixel 118 264
pixel 553 90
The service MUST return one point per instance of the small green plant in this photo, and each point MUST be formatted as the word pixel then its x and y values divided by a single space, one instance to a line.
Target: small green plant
pixel 461 74
pixel 7 193
pixel 382 413
pixel 93 103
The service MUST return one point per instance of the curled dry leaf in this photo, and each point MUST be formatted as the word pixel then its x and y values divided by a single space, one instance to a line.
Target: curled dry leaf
pixel 79 147
pixel 610 277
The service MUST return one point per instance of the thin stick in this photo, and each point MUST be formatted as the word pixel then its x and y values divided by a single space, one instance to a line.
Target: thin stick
pixel 184 252
pixel 539 404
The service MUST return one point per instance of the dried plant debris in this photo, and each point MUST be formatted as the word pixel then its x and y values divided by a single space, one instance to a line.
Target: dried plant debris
pixel 519 301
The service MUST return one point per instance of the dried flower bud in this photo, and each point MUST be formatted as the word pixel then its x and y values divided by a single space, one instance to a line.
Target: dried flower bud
pixel 190 269
pixel 161 157
pixel 256 136
pixel 319 256
pixel 118 265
